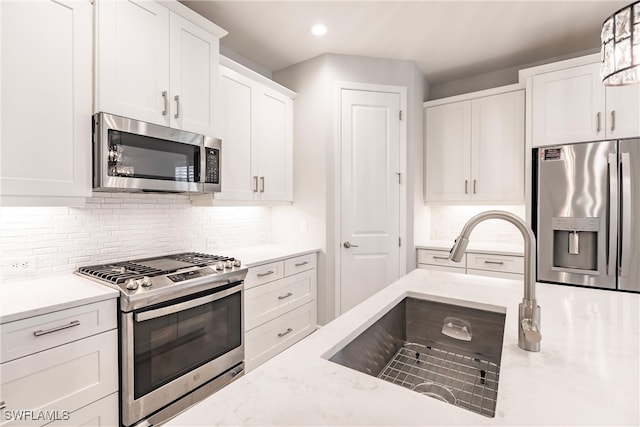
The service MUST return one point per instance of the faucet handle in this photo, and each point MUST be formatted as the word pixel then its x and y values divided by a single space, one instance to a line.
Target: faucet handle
pixel 531 332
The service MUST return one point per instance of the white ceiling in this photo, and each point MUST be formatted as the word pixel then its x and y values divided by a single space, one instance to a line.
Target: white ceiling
pixel 448 40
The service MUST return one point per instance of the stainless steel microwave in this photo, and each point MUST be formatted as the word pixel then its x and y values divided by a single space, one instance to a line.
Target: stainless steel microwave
pixel 134 156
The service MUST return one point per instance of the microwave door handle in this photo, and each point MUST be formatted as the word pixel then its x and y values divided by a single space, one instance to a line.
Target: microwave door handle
pixel 176 308
pixel 613 214
pixel 625 184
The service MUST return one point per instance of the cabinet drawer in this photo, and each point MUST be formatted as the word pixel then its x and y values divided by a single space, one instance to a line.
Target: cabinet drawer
pixel 499 263
pixel 264 274
pixel 103 413
pixel 299 263
pixel 269 339
pixel 435 257
pixel 65 378
pixel 34 334
pixel 263 303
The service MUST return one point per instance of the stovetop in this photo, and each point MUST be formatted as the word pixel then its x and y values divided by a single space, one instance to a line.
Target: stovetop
pixel 147 281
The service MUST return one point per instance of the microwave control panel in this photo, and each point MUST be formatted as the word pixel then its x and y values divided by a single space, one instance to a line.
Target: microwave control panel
pixel 212 171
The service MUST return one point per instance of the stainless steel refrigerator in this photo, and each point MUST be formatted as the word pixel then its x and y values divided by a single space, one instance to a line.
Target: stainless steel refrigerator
pixel 588 214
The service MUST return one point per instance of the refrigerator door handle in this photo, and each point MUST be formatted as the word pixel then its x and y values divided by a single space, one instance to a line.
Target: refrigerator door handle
pixel 613 214
pixel 625 184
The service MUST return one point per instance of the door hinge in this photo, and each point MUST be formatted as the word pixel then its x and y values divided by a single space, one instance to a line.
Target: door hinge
pixel 400 115
pixel 399 177
pixel 399 241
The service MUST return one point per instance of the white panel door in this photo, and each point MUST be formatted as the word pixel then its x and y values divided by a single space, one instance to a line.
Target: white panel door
pixel 45 87
pixel 238 134
pixel 274 138
pixel 497 147
pixel 447 152
pixel 623 111
pixel 194 77
pixel 370 194
pixel 568 106
pixel 133 60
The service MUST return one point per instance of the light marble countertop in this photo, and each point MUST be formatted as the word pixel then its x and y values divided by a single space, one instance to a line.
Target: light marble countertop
pixel 587 372
pixel 32 297
pixel 263 254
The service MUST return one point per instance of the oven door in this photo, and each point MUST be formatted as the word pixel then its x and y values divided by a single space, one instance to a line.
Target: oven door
pixel 170 349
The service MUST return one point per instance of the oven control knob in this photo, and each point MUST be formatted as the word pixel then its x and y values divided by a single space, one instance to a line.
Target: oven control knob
pixel 236 263
pixel 145 281
pixel 131 284
pixel 228 264
pixel 220 266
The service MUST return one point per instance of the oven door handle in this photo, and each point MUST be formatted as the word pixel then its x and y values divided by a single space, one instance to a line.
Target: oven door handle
pixel 176 308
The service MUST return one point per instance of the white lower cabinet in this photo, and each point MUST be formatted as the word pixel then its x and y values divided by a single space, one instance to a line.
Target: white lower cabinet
pixel 477 263
pixel 280 309
pixel 68 381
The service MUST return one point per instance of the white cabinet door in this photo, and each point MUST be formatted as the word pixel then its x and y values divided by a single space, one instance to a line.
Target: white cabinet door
pixel 45 129
pixel 497 147
pixel 133 60
pixel 623 111
pixel 447 151
pixel 194 77
pixel 568 106
pixel 237 140
pixel 274 146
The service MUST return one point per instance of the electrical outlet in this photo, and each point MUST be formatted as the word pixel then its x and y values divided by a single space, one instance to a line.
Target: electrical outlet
pixel 213 243
pixel 21 266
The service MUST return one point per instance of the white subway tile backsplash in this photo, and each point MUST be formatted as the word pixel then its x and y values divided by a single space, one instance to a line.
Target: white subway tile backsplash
pixel 116 227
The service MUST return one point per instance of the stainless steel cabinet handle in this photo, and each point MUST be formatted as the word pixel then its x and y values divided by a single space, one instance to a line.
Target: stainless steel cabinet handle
pixel 475 186
pixel 598 122
pixel 494 262
pixel 349 245
pixel 613 213
pixel 289 294
pixel 165 103
pixel 613 119
pixel 441 257
pixel 466 186
pixel 265 274
pixel 625 234
pixel 288 331
pixel 177 99
pixel 40 332
pixel 300 264
pixel 262 184
pixel 2 405
pixel 255 184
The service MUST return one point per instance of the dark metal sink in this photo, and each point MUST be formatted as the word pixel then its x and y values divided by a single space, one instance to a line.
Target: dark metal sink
pixel 447 351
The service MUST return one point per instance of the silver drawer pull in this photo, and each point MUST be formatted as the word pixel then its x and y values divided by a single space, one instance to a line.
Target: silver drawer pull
pixel 266 274
pixel 440 257
pixel 494 262
pixel 2 405
pixel 289 294
pixel 56 329
pixel 288 331
pixel 300 264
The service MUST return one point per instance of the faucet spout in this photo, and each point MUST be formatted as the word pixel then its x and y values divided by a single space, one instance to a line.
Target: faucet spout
pixel 529 312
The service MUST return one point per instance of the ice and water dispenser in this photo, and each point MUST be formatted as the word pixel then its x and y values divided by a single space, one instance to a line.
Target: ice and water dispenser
pixel 575 243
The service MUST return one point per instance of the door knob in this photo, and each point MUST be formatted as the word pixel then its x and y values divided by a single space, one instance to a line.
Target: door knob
pixel 349 245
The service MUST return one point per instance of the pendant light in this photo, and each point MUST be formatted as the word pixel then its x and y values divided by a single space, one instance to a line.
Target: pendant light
pixel 620 49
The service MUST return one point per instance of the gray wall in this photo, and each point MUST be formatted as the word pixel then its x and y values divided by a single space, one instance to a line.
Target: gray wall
pixel 315 127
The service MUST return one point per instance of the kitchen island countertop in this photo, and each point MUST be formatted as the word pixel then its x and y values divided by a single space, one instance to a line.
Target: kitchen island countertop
pixel 587 373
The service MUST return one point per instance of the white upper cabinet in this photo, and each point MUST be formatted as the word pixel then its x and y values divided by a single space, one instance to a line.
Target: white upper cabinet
pixel 572 105
pixel 475 149
pixel 156 66
pixel 257 155
pixel 45 87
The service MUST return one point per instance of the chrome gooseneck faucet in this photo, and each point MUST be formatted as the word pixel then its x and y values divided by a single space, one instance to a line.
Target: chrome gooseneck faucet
pixel 529 312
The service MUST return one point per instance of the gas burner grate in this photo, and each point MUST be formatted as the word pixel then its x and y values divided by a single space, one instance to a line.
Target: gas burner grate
pixel 199 259
pixel 118 273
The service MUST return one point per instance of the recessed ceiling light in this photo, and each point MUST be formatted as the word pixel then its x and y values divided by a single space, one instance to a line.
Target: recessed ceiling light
pixel 319 30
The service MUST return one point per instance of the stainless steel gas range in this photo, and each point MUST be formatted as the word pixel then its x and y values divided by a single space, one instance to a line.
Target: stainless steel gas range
pixel 181 332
